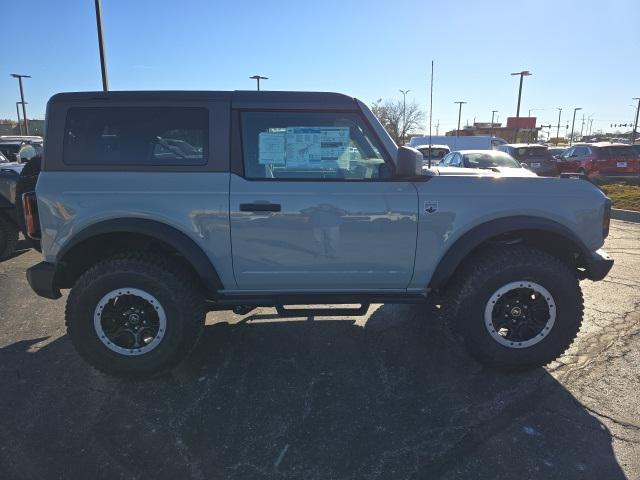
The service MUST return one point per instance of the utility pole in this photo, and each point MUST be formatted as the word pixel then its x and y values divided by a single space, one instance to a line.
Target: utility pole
pixel 558 132
pixel 459 116
pixel 430 112
pixel 19 120
pixel 635 124
pixel 438 128
pixel 573 124
pixel 103 58
pixel 24 110
pixel 404 109
pixel 493 112
pixel 524 73
pixel 257 78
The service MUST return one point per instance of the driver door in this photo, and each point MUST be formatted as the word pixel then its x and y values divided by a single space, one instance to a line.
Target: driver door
pixel 315 206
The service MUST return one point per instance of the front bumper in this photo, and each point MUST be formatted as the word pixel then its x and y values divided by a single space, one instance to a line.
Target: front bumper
pixel 41 278
pixel 598 265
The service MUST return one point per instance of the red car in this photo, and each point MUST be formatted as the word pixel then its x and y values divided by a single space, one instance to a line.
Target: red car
pixel 607 159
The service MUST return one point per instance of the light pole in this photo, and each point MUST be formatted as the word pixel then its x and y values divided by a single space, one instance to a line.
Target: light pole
pixel 524 73
pixel 493 112
pixel 19 120
pixel 103 58
pixel 404 110
pixel 24 110
pixel 635 124
pixel 558 132
pixel 573 124
pixel 257 78
pixel 459 116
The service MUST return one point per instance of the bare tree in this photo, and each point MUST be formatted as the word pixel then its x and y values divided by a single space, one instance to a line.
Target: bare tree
pixel 397 119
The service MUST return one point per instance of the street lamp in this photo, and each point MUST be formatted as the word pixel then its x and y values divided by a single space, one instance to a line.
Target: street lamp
pixel 524 73
pixel 24 110
pixel 558 132
pixel 459 116
pixel 103 58
pixel 19 120
pixel 404 109
pixel 493 112
pixel 635 124
pixel 573 124
pixel 257 78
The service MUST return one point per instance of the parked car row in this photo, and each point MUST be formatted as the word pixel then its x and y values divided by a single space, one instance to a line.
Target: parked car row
pixel 603 158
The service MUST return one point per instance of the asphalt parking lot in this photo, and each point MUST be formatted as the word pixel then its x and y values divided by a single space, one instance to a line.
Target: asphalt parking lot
pixel 383 396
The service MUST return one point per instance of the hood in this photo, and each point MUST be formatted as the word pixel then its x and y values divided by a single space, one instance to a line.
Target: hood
pixel 13 166
pixel 483 172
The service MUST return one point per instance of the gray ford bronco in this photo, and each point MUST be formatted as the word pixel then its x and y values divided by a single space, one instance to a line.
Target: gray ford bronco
pixel 156 207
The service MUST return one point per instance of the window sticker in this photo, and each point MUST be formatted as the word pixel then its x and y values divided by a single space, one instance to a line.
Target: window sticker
pixel 271 148
pixel 303 146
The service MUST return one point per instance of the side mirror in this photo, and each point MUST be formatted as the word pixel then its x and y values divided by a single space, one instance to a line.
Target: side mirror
pixel 408 162
pixel 524 165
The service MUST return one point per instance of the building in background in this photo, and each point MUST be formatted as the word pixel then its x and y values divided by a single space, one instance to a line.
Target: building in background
pixel 517 130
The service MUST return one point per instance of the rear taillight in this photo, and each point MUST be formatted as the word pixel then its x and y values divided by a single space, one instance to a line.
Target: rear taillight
pixel 31 221
pixel 606 219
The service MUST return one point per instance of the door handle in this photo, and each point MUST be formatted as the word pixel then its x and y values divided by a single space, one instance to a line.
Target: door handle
pixel 260 207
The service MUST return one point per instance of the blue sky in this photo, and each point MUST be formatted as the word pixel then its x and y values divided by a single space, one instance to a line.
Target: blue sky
pixel 581 53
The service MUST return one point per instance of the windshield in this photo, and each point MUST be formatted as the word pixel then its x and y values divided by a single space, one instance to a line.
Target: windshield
pixel 523 153
pixel 621 151
pixel 3 159
pixel 436 153
pixel 489 159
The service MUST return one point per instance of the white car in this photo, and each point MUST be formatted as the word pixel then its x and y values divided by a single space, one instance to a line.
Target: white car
pixel 472 162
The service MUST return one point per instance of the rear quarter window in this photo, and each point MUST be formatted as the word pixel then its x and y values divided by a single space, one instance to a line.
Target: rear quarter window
pixel 611 152
pixel 136 136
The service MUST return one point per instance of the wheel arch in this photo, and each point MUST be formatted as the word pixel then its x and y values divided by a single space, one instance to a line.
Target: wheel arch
pixel 542 233
pixel 118 234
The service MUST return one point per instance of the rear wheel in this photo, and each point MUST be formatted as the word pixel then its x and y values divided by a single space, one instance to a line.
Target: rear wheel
pixel 515 307
pixel 135 315
pixel 8 237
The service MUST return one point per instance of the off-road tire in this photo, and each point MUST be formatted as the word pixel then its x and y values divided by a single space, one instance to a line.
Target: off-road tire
pixel 8 237
pixel 176 289
pixel 472 286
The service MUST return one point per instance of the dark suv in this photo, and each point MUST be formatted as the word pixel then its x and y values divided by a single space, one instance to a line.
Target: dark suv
pixel 609 159
pixel 537 158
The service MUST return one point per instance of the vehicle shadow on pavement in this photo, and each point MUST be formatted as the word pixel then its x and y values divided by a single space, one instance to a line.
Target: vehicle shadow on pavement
pixel 308 400
pixel 21 247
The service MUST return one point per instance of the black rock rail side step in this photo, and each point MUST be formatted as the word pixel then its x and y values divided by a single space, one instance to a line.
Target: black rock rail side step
pixel 321 312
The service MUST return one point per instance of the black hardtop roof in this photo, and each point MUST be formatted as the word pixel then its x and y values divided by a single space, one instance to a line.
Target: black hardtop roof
pixel 238 98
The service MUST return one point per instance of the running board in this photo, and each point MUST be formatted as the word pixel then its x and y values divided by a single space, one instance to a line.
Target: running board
pixel 322 312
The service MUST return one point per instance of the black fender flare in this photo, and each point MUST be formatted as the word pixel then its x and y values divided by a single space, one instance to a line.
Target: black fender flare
pixel 483 232
pixel 173 237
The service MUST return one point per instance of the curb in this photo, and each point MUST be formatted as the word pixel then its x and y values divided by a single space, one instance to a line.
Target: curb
pixel 625 215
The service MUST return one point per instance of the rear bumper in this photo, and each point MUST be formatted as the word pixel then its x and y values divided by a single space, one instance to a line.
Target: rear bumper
pixel 598 265
pixel 41 278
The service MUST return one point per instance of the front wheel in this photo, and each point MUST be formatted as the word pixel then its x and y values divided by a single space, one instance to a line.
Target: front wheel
pixel 135 315
pixel 515 307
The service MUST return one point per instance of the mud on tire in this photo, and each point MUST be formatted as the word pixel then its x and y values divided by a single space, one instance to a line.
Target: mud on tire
pixel 480 313
pixel 146 288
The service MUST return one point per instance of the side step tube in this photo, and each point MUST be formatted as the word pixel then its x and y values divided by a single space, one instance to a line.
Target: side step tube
pixel 322 312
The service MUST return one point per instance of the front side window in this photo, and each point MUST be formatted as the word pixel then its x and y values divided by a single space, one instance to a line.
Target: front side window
pixel 489 159
pixel 136 136
pixel 305 145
